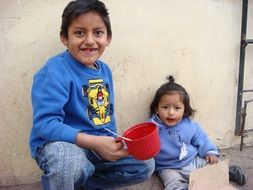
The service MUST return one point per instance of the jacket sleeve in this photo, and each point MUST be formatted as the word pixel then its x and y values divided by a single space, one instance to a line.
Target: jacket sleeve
pixel 49 96
pixel 204 144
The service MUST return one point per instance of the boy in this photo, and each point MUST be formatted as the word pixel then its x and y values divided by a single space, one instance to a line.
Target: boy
pixel 73 103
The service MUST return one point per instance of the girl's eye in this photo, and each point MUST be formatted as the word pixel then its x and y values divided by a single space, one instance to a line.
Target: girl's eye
pixel 165 107
pixel 177 108
pixel 79 33
pixel 99 33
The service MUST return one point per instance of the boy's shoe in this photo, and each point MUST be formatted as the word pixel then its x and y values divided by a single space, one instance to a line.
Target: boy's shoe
pixel 237 175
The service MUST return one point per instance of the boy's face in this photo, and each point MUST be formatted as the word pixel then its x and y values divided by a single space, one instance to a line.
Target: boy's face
pixel 170 109
pixel 87 38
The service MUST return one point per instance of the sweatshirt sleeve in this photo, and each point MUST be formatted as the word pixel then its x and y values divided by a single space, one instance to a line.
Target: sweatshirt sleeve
pixel 204 144
pixel 49 96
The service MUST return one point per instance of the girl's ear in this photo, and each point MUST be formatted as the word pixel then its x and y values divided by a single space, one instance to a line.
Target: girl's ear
pixel 64 39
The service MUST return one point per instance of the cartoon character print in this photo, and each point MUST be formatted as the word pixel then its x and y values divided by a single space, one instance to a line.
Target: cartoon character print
pixel 99 108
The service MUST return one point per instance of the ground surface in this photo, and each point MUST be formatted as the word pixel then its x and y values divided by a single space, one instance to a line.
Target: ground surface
pixel 242 158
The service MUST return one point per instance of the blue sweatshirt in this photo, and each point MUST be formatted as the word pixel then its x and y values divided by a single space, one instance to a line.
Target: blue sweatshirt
pixel 181 143
pixel 68 98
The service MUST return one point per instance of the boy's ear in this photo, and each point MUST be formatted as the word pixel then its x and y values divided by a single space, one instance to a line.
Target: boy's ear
pixel 64 39
pixel 109 39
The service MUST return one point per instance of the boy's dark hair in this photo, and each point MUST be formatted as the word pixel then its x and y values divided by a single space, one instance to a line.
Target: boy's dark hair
pixel 77 7
pixel 171 88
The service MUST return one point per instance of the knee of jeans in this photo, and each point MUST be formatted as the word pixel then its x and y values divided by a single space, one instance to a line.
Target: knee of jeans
pixel 79 167
pixel 150 167
pixel 83 172
pixel 77 170
pixel 68 161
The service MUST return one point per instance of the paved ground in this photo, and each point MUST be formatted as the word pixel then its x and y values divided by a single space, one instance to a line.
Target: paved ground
pixel 242 158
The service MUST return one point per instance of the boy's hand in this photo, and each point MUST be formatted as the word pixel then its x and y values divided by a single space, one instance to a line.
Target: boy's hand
pixel 109 149
pixel 104 146
pixel 211 159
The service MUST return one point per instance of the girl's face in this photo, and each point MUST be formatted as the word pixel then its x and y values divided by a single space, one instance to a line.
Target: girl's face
pixel 87 38
pixel 170 109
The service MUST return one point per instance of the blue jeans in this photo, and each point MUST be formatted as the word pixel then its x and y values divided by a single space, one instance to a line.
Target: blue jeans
pixel 68 167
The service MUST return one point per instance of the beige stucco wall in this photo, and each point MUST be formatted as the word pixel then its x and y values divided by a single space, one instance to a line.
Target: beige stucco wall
pixel 197 41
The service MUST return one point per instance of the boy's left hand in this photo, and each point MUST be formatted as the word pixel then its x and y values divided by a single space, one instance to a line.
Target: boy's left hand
pixel 211 159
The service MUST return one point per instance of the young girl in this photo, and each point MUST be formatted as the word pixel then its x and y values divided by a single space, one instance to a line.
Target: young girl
pixel 184 145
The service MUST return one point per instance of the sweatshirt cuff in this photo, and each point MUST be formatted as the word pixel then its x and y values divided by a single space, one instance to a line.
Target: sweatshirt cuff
pixel 213 153
pixel 71 135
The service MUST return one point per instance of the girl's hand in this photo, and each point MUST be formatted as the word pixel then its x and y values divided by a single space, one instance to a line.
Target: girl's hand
pixel 211 159
pixel 104 146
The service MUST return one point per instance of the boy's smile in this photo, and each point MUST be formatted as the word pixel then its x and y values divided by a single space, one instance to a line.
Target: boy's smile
pixel 87 38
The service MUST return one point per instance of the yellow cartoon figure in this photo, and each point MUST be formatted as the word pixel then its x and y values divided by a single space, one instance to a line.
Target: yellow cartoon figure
pixel 99 108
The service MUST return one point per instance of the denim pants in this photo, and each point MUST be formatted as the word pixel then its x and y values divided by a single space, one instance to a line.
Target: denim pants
pixel 67 167
pixel 178 179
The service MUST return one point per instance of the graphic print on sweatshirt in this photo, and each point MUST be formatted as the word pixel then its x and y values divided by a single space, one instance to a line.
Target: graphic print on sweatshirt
pixel 99 108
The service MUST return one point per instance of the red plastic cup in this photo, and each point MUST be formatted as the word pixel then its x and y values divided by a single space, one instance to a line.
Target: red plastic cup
pixel 145 141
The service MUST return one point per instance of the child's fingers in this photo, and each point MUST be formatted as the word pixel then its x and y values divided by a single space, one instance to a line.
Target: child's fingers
pixel 207 158
pixel 212 159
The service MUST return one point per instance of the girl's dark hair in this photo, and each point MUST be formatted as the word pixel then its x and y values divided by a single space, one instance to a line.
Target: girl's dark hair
pixel 78 7
pixel 171 88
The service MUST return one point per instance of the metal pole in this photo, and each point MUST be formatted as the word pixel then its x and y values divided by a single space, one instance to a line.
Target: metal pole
pixel 241 67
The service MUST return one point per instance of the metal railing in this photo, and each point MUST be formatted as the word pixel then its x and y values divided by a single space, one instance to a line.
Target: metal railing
pixel 244 131
pixel 241 111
